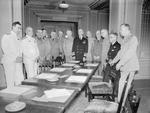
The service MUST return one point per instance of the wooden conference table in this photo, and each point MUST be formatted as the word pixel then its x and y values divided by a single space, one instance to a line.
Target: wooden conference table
pixel 41 85
pixel 61 82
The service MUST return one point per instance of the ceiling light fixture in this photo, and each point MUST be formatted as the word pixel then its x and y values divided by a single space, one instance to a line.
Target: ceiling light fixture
pixel 63 5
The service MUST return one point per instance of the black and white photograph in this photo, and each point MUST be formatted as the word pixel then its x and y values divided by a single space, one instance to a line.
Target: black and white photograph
pixel 75 56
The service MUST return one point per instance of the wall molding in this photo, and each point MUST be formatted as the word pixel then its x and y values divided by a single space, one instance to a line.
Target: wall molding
pixel 140 77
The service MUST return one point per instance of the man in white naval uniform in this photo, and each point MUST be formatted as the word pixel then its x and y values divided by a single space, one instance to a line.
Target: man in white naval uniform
pixel 12 56
pixel 30 53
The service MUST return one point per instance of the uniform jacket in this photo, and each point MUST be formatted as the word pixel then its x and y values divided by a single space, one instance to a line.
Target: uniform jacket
pixel 113 50
pixel 128 56
pixel 55 48
pixel 90 45
pixel 41 47
pixel 30 48
pixel 105 48
pixel 97 49
pixel 80 47
pixel 11 47
pixel 67 46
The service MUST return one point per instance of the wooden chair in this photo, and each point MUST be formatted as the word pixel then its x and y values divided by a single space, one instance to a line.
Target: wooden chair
pixel 104 106
pixel 100 88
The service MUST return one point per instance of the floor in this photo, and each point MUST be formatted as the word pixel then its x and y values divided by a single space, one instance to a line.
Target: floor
pixel 144 106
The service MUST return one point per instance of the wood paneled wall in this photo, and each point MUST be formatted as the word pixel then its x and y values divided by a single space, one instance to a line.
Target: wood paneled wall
pixel 87 19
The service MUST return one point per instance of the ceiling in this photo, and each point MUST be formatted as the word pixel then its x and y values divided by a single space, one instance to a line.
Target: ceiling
pixel 74 2
pixel 93 4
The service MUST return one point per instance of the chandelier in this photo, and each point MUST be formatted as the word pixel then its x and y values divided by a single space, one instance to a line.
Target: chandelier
pixel 63 5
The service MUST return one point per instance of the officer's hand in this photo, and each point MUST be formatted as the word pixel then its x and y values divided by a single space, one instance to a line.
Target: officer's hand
pixel 118 66
pixel 19 60
pixel 111 62
pixel 84 59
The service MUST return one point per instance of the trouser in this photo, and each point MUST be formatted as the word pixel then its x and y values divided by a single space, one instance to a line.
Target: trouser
pixel 13 73
pixel 122 80
pixel 31 68
pixel 68 58
pixel 79 56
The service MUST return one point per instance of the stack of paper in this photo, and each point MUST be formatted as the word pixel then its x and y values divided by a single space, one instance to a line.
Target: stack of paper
pixel 55 95
pixel 58 69
pixel 68 64
pixel 92 64
pixel 76 79
pixel 47 76
pixel 74 61
pixel 16 90
pixel 86 71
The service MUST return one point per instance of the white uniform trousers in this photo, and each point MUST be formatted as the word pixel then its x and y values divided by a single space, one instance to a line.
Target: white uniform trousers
pixel 31 68
pixel 122 80
pixel 13 73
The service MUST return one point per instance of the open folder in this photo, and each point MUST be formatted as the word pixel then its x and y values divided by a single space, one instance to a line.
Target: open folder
pixel 76 79
pixel 55 95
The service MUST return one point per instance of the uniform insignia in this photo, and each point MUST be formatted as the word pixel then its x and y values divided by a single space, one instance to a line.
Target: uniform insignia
pixel 84 42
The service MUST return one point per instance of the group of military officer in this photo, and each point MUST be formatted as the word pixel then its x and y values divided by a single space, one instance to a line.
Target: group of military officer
pixel 103 48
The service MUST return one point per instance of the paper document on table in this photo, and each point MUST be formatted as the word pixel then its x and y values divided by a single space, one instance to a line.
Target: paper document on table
pixel 76 79
pixel 58 69
pixel 57 92
pixel 17 90
pixel 68 64
pixel 92 64
pixel 84 71
pixel 46 76
pixel 73 61
pixel 54 95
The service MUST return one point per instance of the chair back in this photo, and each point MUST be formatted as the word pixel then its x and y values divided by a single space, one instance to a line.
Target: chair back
pixel 122 96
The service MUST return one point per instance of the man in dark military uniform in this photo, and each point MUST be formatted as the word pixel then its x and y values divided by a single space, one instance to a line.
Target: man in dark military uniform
pixel 114 47
pixel 112 52
pixel 80 46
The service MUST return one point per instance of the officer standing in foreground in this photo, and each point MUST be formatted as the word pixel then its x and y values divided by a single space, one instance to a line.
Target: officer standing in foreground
pixel 114 47
pixel 30 53
pixel 80 47
pixel 12 56
pixel 112 52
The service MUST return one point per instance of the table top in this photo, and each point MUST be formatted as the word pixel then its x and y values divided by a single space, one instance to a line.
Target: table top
pixel 29 108
pixel 61 82
pixel 37 106
pixel 42 85
pixel 6 99
pixel 27 98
